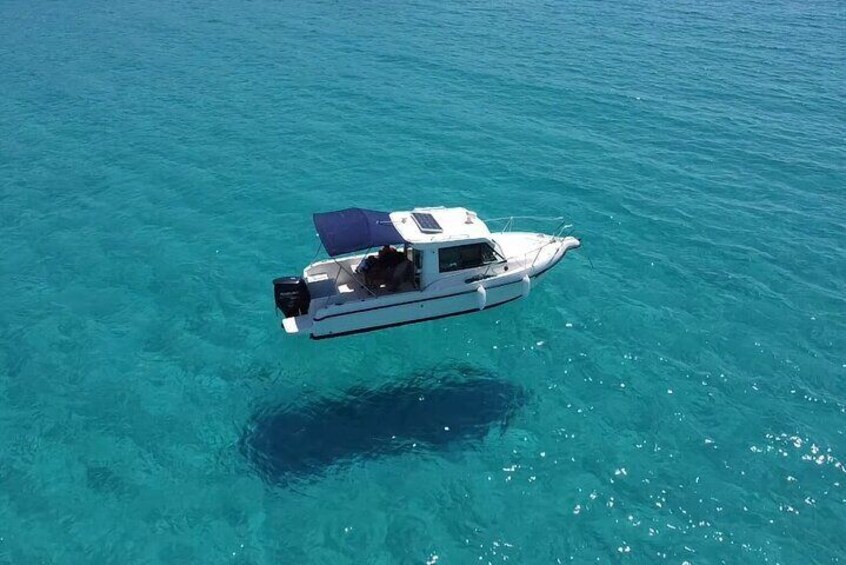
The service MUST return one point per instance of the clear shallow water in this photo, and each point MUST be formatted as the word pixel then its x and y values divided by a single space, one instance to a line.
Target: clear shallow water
pixel 682 400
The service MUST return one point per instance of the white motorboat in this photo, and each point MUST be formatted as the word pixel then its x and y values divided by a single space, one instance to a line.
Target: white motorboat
pixel 432 263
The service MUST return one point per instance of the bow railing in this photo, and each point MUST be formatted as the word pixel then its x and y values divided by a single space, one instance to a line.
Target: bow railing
pixel 509 222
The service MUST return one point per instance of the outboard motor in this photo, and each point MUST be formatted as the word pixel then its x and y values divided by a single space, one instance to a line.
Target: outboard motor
pixel 291 296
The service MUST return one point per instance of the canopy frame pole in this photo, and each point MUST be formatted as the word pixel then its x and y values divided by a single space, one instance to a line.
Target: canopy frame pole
pixel 316 253
pixel 351 274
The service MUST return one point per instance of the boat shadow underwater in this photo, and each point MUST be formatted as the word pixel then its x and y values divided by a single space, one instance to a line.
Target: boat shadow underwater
pixel 439 410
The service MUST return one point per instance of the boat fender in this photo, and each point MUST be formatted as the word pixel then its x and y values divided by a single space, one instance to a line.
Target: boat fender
pixel 481 297
pixel 526 286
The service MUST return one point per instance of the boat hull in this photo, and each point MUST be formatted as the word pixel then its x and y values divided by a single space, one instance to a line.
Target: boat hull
pixel 416 310
pixel 476 292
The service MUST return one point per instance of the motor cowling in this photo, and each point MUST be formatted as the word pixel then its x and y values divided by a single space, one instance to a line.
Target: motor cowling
pixel 291 296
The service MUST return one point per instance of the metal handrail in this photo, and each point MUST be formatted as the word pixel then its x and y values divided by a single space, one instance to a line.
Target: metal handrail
pixel 510 221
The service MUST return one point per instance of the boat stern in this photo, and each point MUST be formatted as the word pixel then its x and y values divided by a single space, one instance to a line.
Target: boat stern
pixel 299 325
pixel 292 298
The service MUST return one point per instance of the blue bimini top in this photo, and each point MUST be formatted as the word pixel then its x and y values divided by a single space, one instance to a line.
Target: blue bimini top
pixel 355 229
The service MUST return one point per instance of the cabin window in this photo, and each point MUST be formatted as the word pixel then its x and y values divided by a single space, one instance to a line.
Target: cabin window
pixel 465 257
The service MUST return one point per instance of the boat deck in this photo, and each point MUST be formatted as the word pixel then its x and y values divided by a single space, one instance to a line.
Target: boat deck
pixel 330 278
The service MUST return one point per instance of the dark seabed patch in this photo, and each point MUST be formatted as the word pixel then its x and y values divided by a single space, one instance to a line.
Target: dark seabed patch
pixel 424 412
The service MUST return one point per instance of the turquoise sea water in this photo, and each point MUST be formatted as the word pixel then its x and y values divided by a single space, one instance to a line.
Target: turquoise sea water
pixel 682 399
